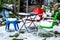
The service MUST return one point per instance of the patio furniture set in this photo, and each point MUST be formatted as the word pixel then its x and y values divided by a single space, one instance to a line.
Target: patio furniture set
pixel 37 11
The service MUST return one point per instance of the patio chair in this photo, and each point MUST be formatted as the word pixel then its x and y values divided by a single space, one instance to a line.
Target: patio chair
pixel 52 25
pixel 39 13
pixel 10 21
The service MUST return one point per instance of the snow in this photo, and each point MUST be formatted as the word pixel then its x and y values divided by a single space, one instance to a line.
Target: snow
pixel 53 38
pixel 4 35
pixel 45 23
pixel 34 17
pixel 9 6
pixel 12 19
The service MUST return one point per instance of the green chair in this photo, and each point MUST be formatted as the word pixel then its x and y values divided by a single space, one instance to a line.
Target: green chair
pixel 51 26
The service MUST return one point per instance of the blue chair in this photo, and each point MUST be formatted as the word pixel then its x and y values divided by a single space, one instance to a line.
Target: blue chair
pixel 8 21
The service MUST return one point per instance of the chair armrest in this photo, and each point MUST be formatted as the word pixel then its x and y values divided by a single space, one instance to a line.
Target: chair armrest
pixel 39 14
pixel 48 17
pixel 11 19
pixel 33 12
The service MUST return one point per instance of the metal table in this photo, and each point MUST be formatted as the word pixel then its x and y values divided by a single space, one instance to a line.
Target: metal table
pixel 32 19
pixel 24 22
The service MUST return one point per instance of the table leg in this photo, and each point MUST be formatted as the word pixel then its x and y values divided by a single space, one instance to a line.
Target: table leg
pixel 23 25
pixel 32 22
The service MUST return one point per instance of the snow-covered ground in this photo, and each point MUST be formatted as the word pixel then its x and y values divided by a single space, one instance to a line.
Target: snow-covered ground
pixel 4 35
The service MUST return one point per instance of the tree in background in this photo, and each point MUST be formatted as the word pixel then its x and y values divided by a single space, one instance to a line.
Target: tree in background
pixel 40 2
pixel 58 1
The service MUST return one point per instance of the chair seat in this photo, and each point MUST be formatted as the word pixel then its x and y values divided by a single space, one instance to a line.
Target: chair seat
pixel 34 18
pixel 15 21
pixel 11 19
pixel 45 23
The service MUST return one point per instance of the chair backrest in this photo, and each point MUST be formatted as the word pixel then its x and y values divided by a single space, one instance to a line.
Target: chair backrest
pixel 3 13
pixel 39 11
pixel 55 16
pixel 54 19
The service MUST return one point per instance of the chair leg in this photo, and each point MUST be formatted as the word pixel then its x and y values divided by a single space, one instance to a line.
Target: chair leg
pixel 15 26
pixel 7 26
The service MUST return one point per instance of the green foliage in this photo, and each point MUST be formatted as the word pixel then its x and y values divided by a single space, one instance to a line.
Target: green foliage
pixel 6 1
pixel 13 15
pixel 58 16
pixel 17 39
pixel 44 39
pixel 22 32
pixel 56 32
pixel 58 1
pixel 44 9
pixel 0 8
pixel 55 23
pixel 45 34
pixel 51 6
pixel 15 35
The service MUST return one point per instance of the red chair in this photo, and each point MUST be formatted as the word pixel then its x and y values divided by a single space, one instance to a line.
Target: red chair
pixel 39 11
